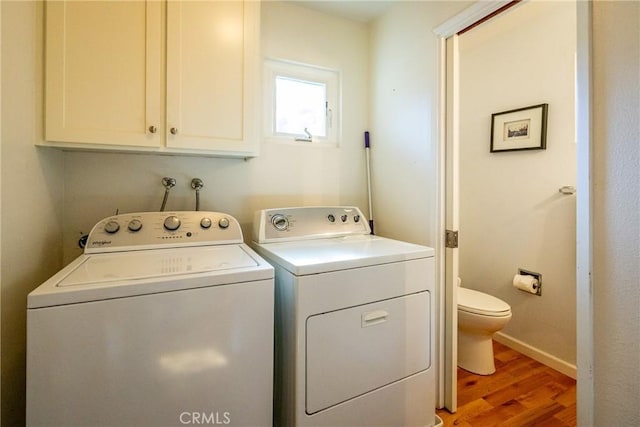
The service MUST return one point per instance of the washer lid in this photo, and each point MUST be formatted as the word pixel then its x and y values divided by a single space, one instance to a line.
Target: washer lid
pixel 120 266
pixel 315 256
pixel 481 303
pixel 124 274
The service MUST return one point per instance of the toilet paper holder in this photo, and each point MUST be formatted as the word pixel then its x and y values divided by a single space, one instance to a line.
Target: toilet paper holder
pixel 538 276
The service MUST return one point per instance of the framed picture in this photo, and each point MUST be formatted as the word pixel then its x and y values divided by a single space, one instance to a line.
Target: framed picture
pixel 521 129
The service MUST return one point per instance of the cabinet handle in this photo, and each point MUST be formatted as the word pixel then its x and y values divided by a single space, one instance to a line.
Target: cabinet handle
pixel 173 131
pixel 153 129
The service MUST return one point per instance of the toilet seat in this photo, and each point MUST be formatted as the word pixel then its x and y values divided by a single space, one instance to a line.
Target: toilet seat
pixel 482 304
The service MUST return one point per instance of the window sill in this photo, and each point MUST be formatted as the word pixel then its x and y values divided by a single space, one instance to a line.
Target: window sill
pixel 291 141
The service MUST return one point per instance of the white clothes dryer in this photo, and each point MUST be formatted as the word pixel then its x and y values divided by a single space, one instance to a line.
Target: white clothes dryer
pixel 354 320
pixel 166 319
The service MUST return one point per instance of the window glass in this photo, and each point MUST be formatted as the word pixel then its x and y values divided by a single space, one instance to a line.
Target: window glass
pixel 300 105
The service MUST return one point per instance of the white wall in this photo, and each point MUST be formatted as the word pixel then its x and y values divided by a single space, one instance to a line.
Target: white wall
pixel 404 101
pixel 616 212
pixel 511 213
pixel 32 189
pixel 96 184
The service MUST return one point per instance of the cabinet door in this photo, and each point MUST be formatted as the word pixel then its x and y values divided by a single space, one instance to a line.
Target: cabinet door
pixel 103 68
pixel 212 76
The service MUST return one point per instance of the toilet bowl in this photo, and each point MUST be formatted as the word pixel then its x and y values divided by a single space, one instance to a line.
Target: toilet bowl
pixel 479 316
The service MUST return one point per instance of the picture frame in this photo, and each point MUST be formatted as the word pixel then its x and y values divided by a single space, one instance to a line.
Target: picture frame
pixel 519 129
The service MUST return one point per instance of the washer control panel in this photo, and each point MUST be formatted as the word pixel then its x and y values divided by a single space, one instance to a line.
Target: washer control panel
pixel 149 230
pixel 301 223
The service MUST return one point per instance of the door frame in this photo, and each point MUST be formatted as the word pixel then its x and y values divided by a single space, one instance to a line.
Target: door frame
pixel 0 204
pixel 584 247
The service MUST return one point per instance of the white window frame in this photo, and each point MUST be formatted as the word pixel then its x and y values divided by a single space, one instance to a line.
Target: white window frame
pixel 311 73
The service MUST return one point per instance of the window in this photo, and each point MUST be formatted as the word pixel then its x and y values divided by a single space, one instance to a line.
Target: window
pixel 301 103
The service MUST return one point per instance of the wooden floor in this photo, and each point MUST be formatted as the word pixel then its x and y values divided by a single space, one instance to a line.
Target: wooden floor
pixel 522 392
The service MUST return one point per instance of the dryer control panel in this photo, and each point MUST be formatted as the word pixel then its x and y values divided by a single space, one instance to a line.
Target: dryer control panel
pixel 303 223
pixel 149 230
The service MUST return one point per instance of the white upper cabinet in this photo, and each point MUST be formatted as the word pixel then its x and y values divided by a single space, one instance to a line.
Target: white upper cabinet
pixel 103 70
pixel 106 86
pixel 212 65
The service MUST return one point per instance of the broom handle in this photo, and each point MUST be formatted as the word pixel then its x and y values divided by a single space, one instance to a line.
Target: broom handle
pixel 366 147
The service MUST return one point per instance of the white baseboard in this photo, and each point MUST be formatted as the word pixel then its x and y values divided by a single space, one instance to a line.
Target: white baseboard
pixel 537 354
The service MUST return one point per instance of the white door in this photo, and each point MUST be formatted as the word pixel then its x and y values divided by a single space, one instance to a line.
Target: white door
pixel 448 32
pixel 451 225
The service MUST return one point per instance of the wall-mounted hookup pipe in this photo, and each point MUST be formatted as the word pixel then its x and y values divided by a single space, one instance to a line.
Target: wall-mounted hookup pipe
pixel 168 183
pixel 197 184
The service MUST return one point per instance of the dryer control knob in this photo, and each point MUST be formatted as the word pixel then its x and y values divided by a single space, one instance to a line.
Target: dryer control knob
pixel 172 223
pixel 205 222
pixel 223 223
pixel 111 227
pixel 280 222
pixel 135 225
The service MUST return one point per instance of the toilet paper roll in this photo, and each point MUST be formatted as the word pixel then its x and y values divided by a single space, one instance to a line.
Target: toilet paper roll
pixel 526 283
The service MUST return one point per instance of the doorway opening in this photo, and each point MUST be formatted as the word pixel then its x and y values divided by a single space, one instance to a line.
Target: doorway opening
pixel 450 196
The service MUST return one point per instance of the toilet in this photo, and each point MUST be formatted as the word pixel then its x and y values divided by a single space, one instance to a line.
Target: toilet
pixel 479 316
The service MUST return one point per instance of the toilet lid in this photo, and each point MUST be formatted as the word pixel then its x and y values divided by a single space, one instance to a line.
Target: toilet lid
pixel 481 303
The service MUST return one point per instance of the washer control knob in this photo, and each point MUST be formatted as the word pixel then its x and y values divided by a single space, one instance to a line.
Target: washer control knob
pixel 134 225
pixel 223 222
pixel 111 227
pixel 343 218
pixel 205 222
pixel 356 218
pixel 280 222
pixel 331 218
pixel 172 223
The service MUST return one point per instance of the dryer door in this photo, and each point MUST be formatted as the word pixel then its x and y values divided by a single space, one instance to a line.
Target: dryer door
pixel 356 350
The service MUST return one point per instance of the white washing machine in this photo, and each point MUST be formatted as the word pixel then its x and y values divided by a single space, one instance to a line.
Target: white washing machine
pixel 354 320
pixel 165 320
